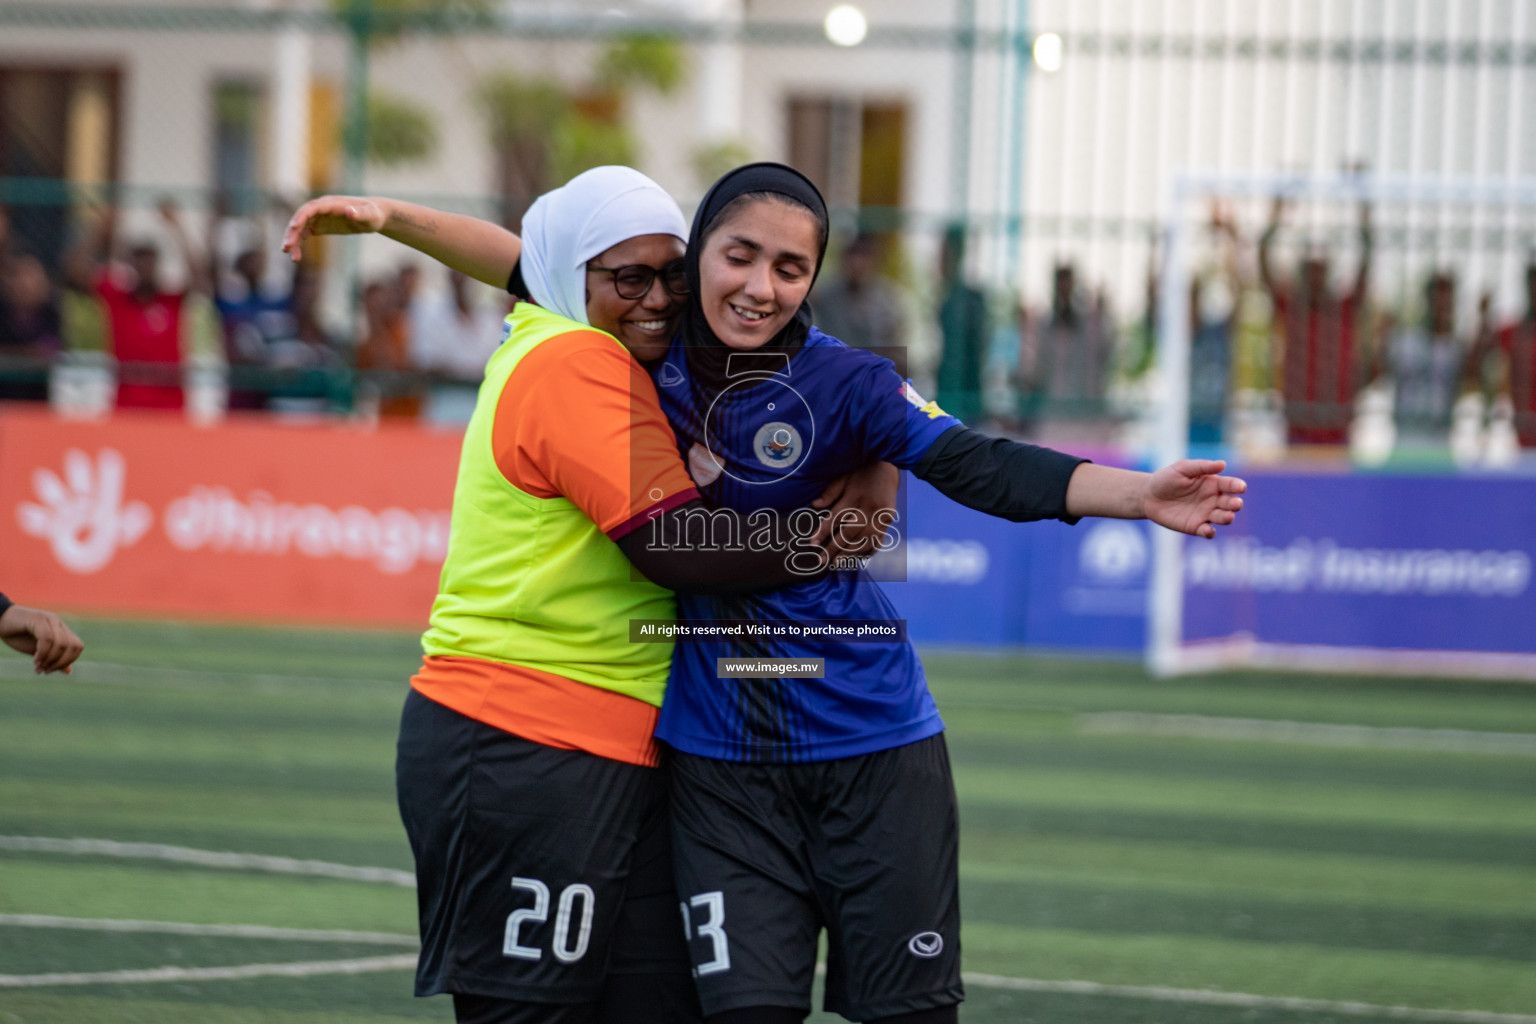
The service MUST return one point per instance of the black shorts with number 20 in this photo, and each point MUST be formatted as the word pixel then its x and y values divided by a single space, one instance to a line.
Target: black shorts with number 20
pixel 867 847
pixel 539 871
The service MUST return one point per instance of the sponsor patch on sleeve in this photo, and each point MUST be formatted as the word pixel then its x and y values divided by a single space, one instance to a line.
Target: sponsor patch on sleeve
pixel 923 405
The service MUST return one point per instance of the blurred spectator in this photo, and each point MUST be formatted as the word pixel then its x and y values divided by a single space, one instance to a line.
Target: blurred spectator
pixel 1319 334
pixel 1425 362
pixel 963 331
pixel 305 360
pixel 452 337
pixel 1140 351
pixel 1515 343
pixel 383 345
pixel 29 322
pixel 146 332
pixel 82 320
pixel 319 345
pixel 861 307
pixel 1215 290
pixel 1065 362
pixel 257 319
pixel 406 286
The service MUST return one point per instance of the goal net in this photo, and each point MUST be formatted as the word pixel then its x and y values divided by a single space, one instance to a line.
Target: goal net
pixel 1363 350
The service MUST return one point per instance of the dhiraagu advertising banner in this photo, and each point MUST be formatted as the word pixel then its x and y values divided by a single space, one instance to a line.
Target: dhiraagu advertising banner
pixel 249 520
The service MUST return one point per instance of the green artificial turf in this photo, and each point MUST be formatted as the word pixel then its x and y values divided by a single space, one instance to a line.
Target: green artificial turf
pixel 1335 871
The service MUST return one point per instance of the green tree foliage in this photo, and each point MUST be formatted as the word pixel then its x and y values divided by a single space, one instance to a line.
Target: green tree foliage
pixel 522 109
pixel 399 131
pixel 713 159
pixel 584 144
pixel 641 61
pixel 525 117
pixel 545 133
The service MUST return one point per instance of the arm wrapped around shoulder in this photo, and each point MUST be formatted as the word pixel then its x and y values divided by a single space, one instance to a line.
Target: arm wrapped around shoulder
pixel 706 550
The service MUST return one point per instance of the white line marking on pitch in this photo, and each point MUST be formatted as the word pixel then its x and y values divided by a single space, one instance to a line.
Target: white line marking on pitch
pixel 1201 996
pixel 364 965
pixel 180 678
pixel 1456 741
pixel 285 865
pixel 236 931
pixel 207 858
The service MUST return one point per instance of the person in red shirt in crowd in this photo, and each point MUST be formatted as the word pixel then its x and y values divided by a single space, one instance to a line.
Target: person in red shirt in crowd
pixel 1320 333
pixel 145 330
pixel 1516 342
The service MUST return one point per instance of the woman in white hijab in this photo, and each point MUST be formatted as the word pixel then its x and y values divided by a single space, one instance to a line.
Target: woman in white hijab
pixel 527 775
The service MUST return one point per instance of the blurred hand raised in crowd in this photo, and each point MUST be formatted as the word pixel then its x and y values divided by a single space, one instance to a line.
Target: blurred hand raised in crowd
pixel 332 215
pixel 1191 496
pixel 52 644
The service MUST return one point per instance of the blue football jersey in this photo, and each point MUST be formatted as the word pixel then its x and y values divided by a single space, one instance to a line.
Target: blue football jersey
pixel 782 429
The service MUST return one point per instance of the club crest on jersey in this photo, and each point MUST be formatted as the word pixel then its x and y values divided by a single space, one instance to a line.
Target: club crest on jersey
pixel 670 376
pixel 926 945
pixel 777 445
pixel 930 409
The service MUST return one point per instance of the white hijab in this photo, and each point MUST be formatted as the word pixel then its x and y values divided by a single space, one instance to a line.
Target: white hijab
pixel 592 212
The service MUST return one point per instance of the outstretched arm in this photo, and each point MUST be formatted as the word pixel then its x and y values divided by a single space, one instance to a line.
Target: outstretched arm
pixel 484 251
pixel 1023 482
pixel 1189 496
pixel 52 644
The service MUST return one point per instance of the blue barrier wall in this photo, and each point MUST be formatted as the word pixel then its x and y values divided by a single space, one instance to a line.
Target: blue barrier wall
pixel 1430 563
pixel 1417 563
pixel 973 579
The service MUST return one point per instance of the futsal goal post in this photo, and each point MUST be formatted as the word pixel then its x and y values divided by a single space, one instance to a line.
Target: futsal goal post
pixel 1388 314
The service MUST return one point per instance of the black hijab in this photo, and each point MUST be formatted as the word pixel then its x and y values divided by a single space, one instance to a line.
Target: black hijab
pixel 708 355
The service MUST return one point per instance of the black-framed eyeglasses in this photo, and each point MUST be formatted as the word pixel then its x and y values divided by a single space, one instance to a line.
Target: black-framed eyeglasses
pixel 635 280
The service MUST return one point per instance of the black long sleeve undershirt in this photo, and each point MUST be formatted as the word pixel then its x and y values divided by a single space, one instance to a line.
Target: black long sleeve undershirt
pixel 674 551
pixel 1009 479
pixel 5 603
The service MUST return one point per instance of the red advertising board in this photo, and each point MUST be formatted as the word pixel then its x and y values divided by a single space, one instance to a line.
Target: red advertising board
pixel 248 520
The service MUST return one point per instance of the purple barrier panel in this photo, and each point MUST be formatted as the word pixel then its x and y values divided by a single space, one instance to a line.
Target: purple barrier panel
pixel 1087 585
pixel 1416 563
pixel 965 573
pixel 976 580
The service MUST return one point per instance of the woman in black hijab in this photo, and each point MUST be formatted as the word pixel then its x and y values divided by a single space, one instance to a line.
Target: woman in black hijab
pixel 826 802
pixel 787 231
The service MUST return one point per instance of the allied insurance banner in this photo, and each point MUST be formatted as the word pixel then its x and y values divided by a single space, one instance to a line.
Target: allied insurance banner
pixel 1323 569
pixel 1416 564
pixel 248 520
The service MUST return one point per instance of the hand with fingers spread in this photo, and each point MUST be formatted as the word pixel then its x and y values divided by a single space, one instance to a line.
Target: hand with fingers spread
pixel 52 644
pixel 333 215
pixel 1191 496
pixel 863 505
